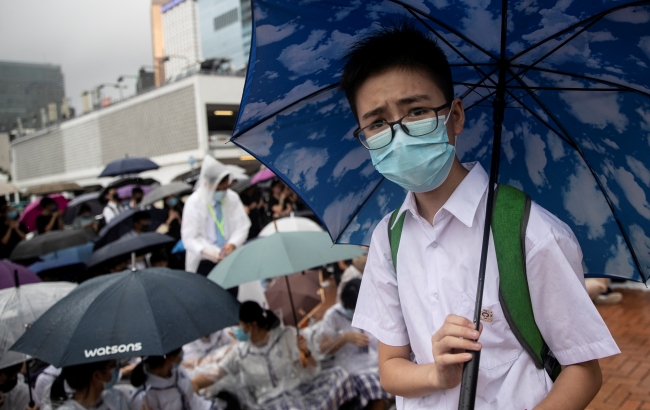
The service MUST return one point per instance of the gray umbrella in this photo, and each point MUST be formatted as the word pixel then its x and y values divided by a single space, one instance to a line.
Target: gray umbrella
pixel 162 192
pixel 51 242
pixel 140 244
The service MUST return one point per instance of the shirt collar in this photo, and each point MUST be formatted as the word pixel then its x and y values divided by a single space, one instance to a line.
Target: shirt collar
pixel 464 201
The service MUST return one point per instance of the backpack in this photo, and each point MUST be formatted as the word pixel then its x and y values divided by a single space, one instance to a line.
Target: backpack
pixel 509 222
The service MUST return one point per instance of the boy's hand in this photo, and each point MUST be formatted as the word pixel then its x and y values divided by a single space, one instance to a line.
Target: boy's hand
pixel 356 338
pixel 449 344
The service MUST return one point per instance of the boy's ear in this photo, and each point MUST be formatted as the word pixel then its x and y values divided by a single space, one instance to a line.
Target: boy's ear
pixel 458 117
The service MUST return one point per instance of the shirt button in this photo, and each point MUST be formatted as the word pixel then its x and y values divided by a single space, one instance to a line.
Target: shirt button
pixel 434 245
pixel 435 295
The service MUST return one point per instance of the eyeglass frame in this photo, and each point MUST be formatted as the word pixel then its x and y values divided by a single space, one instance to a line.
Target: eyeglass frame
pixel 391 124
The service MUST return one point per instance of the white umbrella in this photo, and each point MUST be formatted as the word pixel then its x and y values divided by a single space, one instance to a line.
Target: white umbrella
pixel 20 307
pixel 290 224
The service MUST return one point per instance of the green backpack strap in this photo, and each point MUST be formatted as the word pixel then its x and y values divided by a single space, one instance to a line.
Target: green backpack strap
pixel 509 222
pixel 395 233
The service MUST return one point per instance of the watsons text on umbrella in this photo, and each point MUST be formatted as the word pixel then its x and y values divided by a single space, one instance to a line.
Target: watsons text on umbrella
pixel 103 351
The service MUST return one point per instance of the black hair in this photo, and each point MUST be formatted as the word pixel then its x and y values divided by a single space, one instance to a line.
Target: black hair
pixel 136 190
pixel 47 201
pixel 350 293
pixel 11 370
pixel 139 377
pixel 141 216
pixel 84 208
pixel 400 45
pixel 252 312
pixel 78 377
pixel 159 255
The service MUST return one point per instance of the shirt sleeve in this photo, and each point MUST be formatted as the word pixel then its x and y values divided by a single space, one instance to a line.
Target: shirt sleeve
pixel 328 326
pixel 231 363
pixel 191 234
pixel 241 223
pixel 378 309
pixel 565 315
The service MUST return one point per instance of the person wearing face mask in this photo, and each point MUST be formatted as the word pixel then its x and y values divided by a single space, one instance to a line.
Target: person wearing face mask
pixel 85 219
pixel 163 385
pixel 113 206
pixel 174 207
pixel 273 363
pixel 86 386
pixel 418 299
pixel 50 219
pixel 11 231
pixel 136 197
pixel 141 224
pixel 214 219
pixel 352 348
pixel 14 394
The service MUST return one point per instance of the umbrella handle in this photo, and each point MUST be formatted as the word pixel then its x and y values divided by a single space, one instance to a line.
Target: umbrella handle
pixel 29 384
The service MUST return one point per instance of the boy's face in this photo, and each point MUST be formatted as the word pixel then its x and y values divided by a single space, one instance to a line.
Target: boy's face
pixel 390 95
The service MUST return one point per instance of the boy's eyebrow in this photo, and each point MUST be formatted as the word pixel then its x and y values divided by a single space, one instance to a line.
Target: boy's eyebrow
pixel 402 101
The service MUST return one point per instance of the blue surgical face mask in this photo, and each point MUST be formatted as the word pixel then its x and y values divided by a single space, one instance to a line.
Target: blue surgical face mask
pixel 417 164
pixel 172 202
pixel 218 196
pixel 349 313
pixel 178 363
pixel 12 215
pixel 115 376
pixel 240 335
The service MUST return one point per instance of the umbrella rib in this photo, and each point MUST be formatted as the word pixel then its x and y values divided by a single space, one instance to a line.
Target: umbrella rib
pixel 446 27
pixel 566 30
pixel 322 90
pixel 468 92
pixel 480 101
pixel 593 173
pixel 585 77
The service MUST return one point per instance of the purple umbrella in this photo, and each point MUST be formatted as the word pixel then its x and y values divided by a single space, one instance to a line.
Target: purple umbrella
pixel 125 191
pixel 10 272
pixel 263 175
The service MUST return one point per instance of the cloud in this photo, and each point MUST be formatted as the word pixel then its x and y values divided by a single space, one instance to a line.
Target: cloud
pixel 584 201
pixel 301 165
pixel 535 154
pixel 481 25
pixel 645 121
pixel 343 12
pixel 611 143
pixel 439 4
pixel 351 161
pixel 631 189
pixel 633 15
pixel 555 145
pixel 515 183
pixel 641 245
pixel 620 264
pixel 644 45
pixel 553 20
pixel 317 135
pixel 259 13
pixel 506 143
pixel 472 135
pixel 341 209
pixel 267 34
pixel 261 109
pixel 638 169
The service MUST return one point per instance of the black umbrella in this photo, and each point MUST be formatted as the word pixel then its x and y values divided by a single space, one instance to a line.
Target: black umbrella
pixel 72 210
pixel 51 242
pixel 144 313
pixel 123 223
pixel 162 192
pixel 125 166
pixel 139 244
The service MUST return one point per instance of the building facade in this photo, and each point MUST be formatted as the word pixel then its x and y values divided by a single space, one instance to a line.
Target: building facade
pixel 180 37
pixel 225 27
pixel 25 90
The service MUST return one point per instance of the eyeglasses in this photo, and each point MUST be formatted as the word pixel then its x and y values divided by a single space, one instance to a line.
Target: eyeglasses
pixel 375 135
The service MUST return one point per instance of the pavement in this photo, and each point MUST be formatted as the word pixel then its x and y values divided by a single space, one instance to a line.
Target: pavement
pixel 626 377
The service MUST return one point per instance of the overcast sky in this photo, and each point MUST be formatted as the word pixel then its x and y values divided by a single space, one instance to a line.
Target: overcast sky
pixel 93 41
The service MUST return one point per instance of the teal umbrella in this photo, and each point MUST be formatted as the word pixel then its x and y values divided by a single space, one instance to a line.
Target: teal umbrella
pixel 282 253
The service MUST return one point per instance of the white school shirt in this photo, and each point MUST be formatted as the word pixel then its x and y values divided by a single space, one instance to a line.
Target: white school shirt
pixel 437 275
pixel 44 381
pixel 111 210
pixel 111 399
pixel 171 393
pixel 351 357
pixel 199 229
pixel 18 397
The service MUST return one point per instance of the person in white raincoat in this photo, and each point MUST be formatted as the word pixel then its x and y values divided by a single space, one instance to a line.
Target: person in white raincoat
pixel 197 350
pixel 14 394
pixel 163 385
pixel 214 219
pixel 86 386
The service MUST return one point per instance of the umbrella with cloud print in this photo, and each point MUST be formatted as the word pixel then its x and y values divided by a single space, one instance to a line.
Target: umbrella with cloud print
pixel 563 84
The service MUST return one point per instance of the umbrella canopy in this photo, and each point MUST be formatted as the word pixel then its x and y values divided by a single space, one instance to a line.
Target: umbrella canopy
pixel 51 242
pixel 140 244
pixel 126 190
pixel 53 188
pixel 145 313
pixel 7 188
pixel 79 252
pixel 573 77
pixel 8 272
pixel 20 307
pixel 162 192
pixel 126 166
pixel 304 288
pixel 64 269
pixel 123 223
pixel 120 182
pixel 72 210
pixel 33 210
pixel 282 253
pixel 290 224
pixel 261 176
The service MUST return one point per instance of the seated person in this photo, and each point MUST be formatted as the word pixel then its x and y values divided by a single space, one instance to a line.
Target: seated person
pixel 50 219
pixel 163 385
pixel 272 363
pixel 14 394
pixel 353 349
pixel 86 386
pixel 196 351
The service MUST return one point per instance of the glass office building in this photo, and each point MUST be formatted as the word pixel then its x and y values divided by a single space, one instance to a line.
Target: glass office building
pixel 225 30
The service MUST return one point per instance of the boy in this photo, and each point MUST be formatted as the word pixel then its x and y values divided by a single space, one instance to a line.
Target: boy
pixel 399 86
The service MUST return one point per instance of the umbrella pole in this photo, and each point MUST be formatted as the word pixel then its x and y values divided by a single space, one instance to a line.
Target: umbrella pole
pixel 471 368
pixel 293 308
pixel 29 384
pixel 133 267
